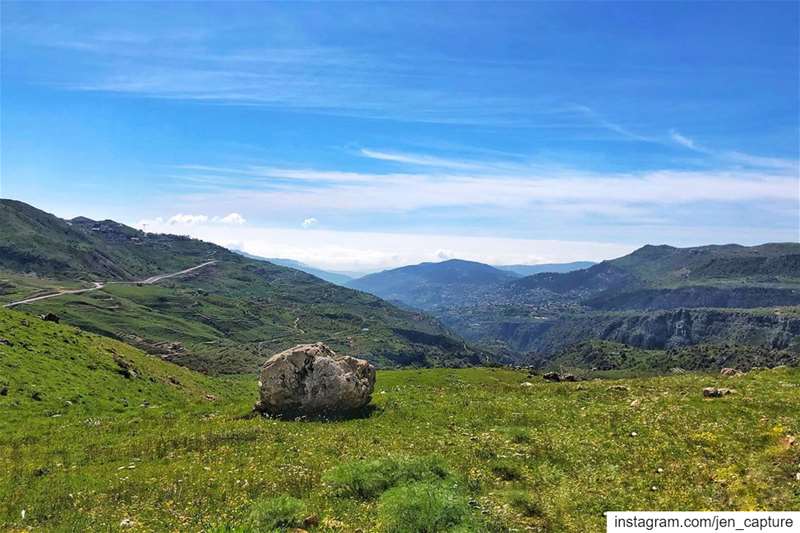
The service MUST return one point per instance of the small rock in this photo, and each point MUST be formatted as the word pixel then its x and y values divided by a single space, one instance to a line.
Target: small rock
pixel 36 396
pixel 50 317
pixel 730 372
pixel 660 470
pixel 569 377
pixel 636 403
pixel 797 476
pixel 311 520
pixel 654 488
pixel 526 384
pixel 714 392
pixel 551 376
pixel 126 523
pixel 634 434
pixel 6 342
pixel 210 397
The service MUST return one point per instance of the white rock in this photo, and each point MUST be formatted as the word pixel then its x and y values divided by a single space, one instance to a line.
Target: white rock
pixel 310 379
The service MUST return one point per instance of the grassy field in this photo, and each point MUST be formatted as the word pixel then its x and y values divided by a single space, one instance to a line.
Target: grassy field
pixel 164 449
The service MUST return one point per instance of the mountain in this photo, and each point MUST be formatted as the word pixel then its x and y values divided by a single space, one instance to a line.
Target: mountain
pixel 227 316
pixel 529 270
pixel 666 267
pixel 338 278
pixel 657 297
pixel 431 285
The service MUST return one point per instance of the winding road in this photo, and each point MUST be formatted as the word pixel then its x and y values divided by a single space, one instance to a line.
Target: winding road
pixel 100 285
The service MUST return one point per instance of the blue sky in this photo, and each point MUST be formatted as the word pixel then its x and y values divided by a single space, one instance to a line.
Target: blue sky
pixel 362 136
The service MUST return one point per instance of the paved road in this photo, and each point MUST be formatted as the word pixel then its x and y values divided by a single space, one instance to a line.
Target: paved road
pixel 100 285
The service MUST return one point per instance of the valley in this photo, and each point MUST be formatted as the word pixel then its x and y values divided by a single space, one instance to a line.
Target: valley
pixel 658 297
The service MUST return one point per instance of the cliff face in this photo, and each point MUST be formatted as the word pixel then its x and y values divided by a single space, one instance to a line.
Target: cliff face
pixel 693 297
pixel 656 330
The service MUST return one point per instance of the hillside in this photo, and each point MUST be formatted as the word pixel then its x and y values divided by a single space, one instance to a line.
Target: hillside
pixel 52 370
pixel 226 317
pixel 430 285
pixel 775 265
pixel 499 450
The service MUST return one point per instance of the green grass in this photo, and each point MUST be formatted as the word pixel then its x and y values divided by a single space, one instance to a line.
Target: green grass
pixel 466 449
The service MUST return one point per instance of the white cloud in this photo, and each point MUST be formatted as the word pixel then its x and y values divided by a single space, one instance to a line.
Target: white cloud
pixel 187 219
pixel 309 222
pixel 684 141
pixel 232 218
pixel 445 254
pixel 558 188
pixel 419 160
pixel 371 251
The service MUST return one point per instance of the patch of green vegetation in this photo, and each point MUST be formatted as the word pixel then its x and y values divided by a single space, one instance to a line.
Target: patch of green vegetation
pixel 602 358
pixel 369 479
pixel 276 514
pixel 425 507
pixel 174 460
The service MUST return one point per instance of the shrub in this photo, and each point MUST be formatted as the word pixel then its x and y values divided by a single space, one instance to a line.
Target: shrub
pixel 525 503
pixel 369 479
pixel 506 470
pixel 281 512
pixel 424 507
pixel 519 435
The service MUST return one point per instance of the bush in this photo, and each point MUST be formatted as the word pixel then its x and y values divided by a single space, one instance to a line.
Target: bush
pixel 279 513
pixel 424 507
pixel 525 503
pixel 507 470
pixel 369 479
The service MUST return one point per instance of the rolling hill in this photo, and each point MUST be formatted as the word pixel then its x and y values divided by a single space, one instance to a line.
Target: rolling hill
pixel 431 285
pixel 226 317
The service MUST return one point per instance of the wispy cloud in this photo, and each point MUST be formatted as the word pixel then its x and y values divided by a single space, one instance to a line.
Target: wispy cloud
pixel 561 189
pixel 685 141
pixel 419 160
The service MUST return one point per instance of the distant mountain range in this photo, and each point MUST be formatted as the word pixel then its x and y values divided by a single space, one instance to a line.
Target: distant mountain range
pixel 529 270
pixel 339 278
pixel 655 297
pixel 227 317
pixel 430 285
pixel 235 311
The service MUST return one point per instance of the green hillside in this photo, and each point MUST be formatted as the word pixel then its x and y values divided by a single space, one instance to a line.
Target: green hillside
pixel 50 370
pixel 772 264
pixel 120 440
pixel 227 317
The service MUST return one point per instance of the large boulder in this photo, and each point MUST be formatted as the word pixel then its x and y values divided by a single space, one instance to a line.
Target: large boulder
pixel 310 379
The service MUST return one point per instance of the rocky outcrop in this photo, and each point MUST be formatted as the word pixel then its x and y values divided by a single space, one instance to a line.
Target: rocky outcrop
pixel 310 379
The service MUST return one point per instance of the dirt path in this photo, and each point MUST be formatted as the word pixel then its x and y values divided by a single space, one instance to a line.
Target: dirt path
pixel 100 285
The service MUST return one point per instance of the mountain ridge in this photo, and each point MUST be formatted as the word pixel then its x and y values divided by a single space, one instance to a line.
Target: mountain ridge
pixel 228 317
